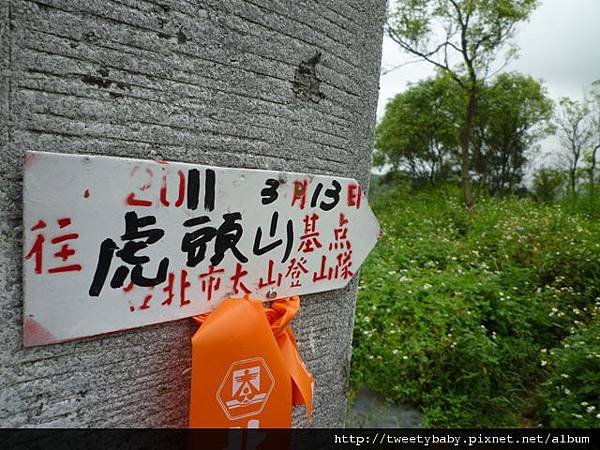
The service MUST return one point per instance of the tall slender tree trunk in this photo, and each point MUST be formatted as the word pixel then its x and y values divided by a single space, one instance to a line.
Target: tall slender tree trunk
pixel 576 155
pixel 593 169
pixel 465 143
pixel 572 176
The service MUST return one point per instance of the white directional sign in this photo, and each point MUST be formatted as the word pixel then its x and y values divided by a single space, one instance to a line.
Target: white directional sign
pixel 114 243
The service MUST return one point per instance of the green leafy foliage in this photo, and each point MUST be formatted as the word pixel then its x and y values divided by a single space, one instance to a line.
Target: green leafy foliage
pixel 569 397
pixel 419 133
pixel 549 184
pixel 461 38
pixel 575 131
pixel 467 315
pixel 514 113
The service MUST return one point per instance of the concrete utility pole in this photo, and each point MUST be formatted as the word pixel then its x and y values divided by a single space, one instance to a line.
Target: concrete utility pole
pixel 281 85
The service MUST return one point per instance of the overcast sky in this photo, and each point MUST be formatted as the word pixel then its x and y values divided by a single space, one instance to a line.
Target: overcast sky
pixel 560 45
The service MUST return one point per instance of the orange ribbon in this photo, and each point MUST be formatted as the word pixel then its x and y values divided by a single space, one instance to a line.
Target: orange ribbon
pixel 246 369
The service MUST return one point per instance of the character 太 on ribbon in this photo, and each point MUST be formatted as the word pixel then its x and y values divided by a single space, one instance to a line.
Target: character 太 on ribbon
pixel 246 369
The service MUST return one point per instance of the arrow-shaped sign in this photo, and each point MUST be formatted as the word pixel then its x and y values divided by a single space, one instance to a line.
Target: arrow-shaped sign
pixel 117 243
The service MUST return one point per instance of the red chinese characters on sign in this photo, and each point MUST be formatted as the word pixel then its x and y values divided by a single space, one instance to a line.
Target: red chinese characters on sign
pixel 60 242
pixel 354 195
pixel 343 258
pixel 344 246
pixel 175 285
pixel 238 285
pixel 271 278
pixel 296 268
pixel 211 281
pixel 123 243
pixel 169 289
pixel 323 273
pixel 309 241
pixel 177 289
pixel 299 197
pixel 145 299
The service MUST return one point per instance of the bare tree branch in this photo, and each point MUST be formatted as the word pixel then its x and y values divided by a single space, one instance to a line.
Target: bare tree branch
pixel 407 63
pixel 426 56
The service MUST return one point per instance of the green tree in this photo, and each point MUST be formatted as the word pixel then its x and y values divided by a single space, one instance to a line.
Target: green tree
pixel 591 156
pixel 462 38
pixel 548 184
pixel 418 134
pixel 514 113
pixel 574 129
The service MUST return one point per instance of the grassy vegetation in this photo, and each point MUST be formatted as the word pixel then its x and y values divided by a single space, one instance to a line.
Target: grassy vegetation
pixel 489 318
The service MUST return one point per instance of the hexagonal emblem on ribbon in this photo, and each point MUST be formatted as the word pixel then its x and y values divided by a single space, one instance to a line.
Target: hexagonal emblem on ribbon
pixel 246 388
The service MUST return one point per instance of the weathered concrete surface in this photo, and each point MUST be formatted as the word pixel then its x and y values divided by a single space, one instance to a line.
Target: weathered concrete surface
pixel 278 84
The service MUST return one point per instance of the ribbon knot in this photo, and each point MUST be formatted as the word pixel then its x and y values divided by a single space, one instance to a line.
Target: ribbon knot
pixel 246 369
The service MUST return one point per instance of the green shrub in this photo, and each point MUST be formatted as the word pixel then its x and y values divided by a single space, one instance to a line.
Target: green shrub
pixel 570 397
pixel 454 308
